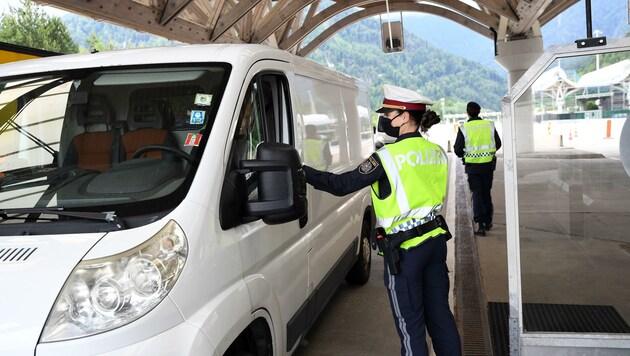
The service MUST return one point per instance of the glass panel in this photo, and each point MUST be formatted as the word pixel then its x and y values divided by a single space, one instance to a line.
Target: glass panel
pixel 573 185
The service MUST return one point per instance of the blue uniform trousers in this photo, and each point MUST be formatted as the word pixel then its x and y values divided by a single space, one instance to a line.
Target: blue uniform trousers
pixel 418 295
pixel 480 186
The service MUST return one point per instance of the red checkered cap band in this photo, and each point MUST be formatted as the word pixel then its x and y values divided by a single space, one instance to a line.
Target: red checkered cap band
pixel 393 104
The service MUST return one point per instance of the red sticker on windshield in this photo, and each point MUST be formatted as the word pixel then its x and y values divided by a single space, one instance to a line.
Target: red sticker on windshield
pixel 192 139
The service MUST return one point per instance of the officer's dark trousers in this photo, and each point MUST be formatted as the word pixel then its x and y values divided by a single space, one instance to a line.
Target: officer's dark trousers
pixel 480 186
pixel 418 295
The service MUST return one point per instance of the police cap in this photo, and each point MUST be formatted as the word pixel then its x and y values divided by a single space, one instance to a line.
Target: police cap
pixel 397 98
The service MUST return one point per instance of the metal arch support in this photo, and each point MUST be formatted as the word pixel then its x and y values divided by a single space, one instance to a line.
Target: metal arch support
pixel 375 10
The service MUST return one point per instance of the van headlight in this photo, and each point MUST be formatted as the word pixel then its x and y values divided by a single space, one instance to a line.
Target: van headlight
pixel 109 292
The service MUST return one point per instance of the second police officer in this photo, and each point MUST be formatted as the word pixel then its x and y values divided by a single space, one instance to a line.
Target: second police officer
pixel 477 143
pixel 408 179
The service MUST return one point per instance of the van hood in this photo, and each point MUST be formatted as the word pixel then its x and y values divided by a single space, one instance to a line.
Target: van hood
pixel 33 270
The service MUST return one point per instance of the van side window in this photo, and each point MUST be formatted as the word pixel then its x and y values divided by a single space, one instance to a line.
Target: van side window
pixel 275 93
pixel 250 128
pixel 265 116
pixel 320 103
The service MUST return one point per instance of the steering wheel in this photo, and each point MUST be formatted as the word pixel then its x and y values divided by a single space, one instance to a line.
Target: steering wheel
pixel 170 149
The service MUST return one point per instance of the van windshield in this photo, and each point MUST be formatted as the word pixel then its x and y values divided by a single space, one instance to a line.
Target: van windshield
pixel 125 140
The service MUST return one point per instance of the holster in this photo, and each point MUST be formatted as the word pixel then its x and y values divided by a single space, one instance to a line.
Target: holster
pixel 390 250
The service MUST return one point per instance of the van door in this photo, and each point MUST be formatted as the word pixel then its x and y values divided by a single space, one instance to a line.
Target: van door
pixel 335 222
pixel 274 256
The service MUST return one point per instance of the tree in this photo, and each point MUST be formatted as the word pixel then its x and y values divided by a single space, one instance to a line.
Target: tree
pixel 30 26
pixel 95 43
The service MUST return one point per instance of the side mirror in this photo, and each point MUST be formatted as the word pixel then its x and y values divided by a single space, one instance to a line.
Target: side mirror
pixel 281 186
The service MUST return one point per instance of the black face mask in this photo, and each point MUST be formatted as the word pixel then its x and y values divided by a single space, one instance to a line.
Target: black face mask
pixel 385 125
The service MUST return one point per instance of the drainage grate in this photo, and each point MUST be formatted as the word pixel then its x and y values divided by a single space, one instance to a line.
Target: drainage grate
pixel 554 318
pixel 19 254
pixel 468 289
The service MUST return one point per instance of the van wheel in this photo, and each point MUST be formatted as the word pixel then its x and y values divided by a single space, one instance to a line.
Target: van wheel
pixel 359 274
pixel 253 341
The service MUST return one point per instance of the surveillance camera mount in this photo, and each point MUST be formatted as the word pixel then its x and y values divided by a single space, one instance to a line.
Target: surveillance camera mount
pixel 590 41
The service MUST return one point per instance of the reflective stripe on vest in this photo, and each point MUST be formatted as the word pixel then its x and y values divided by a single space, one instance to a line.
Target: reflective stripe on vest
pixel 480 146
pixel 417 172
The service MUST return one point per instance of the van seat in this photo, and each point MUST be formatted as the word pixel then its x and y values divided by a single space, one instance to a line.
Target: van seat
pixel 147 125
pixel 92 149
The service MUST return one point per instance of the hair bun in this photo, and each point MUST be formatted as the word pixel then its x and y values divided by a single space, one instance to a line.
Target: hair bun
pixel 429 119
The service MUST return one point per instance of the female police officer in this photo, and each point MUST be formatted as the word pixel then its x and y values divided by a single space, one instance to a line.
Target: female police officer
pixel 408 180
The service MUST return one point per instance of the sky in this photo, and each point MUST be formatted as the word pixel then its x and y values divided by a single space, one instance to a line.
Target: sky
pixel 4 7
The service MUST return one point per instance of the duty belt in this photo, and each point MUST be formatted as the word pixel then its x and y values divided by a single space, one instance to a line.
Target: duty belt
pixel 420 230
pixel 388 245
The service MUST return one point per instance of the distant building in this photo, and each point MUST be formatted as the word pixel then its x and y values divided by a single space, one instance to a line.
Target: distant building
pixel 603 91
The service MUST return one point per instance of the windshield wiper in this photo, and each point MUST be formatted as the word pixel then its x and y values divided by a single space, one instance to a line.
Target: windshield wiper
pixel 109 216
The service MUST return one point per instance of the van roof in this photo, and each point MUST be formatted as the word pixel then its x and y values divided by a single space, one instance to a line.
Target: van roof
pixel 234 54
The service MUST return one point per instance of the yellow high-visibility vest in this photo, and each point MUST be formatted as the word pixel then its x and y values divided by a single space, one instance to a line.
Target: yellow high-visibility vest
pixel 418 175
pixel 480 146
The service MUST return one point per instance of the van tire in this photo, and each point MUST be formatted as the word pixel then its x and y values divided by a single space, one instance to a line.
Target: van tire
pixel 359 274
pixel 255 340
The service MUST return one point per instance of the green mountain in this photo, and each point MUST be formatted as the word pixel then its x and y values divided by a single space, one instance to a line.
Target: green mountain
pixel 356 51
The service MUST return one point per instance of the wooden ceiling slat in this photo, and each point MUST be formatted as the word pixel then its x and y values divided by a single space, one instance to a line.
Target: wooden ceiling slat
pixel 172 9
pixel 232 16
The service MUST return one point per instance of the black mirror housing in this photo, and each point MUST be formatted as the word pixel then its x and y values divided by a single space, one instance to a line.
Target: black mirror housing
pixel 281 184
pixel 281 188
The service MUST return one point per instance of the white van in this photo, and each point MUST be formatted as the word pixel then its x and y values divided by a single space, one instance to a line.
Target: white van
pixel 152 201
